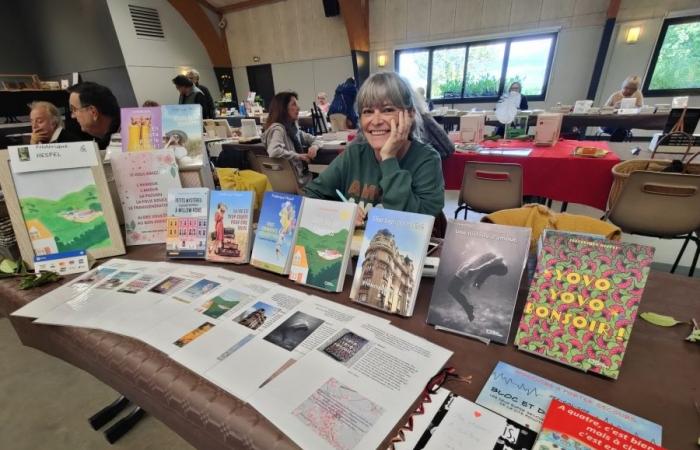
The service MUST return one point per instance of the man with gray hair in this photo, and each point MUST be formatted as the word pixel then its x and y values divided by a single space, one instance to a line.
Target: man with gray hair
pixel 193 76
pixel 47 124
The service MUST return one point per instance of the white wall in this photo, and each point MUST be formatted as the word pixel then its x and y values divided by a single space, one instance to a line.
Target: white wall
pixel 152 63
pixel 307 78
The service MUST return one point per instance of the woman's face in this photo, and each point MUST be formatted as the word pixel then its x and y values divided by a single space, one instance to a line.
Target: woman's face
pixel 293 109
pixel 515 87
pixel 376 123
pixel 629 89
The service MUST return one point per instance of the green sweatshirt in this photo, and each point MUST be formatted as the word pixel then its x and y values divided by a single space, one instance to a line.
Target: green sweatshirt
pixel 413 183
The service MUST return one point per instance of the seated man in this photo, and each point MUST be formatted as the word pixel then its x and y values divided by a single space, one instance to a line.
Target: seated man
pixel 47 125
pixel 97 111
pixel 386 163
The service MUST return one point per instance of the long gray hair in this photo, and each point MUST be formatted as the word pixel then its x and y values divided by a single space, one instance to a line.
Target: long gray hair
pixel 389 87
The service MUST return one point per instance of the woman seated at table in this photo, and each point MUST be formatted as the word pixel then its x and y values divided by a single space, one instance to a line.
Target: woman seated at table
pixel 283 139
pixel 630 89
pixel 386 163
pixel 322 102
pixel 515 88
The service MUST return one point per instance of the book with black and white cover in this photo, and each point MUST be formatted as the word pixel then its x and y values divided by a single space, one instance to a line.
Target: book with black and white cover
pixel 478 278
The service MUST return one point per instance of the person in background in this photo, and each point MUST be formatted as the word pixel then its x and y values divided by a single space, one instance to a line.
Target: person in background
pixel 322 102
pixel 283 139
pixel 47 125
pixel 630 89
pixel 191 94
pixel 344 102
pixel 515 87
pixel 386 163
pixel 193 76
pixel 150 104
pixel 96 110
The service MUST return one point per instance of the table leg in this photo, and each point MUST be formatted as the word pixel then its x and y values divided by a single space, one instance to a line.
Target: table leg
pixel 564 205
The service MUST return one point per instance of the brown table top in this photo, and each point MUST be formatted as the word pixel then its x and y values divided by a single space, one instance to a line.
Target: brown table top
pixel 659 379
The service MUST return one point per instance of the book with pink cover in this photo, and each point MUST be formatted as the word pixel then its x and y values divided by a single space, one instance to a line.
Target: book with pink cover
pixel 583 301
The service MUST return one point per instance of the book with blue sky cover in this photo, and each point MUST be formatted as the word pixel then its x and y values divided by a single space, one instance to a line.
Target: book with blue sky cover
pixel 277 225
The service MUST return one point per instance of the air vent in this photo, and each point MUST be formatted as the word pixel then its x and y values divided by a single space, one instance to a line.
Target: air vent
pixel 146 22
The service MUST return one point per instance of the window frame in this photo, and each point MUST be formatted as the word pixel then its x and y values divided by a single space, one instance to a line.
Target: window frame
pixel 655 56
pixel 504 66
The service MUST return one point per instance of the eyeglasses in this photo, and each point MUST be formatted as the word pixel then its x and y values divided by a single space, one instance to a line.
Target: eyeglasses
pixel 73 109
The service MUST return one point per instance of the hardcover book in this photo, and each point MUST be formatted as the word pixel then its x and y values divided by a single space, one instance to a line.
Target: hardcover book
pixel 230 226
pixel 583 301
pixel 186 224
pixel 524 397
pixel 274 238
pixel 141 129
pixel 478 279
pixel 390 263
pixel 568 428
pixel 322 247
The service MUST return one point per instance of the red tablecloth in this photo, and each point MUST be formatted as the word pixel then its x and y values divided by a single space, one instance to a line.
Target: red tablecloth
pixel 551 172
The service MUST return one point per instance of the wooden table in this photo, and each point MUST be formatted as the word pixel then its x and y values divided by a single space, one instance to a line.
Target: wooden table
pixel 659 379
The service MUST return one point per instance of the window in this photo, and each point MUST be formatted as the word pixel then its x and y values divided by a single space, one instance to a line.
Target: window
pixel 675 64
pixel 479 71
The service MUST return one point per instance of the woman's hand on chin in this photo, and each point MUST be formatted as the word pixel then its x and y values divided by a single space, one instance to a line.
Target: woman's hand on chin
pixel 398 137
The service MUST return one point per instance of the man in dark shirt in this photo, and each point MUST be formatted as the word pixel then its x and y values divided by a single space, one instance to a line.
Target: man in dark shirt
pixel 97 111
pixel 193 76
pixel 191 94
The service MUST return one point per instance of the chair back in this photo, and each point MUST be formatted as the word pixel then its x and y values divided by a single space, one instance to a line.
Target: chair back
pixel 279 172
pixel 658 204
pixel 339 122
pixel 490 187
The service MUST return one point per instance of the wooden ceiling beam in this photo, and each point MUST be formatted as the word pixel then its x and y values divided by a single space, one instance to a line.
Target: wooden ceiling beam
pixel 240 6
pixel 215 43
pixel 356 17
pixel 210 7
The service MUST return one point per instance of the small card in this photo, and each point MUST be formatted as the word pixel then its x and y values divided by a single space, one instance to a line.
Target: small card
pixel 64 263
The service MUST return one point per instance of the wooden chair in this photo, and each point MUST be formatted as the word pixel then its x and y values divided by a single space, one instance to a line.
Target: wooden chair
pixel 662 205
pixel 339 122
pixel 489 187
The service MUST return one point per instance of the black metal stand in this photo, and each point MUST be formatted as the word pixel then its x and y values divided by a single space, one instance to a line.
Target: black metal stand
pixel 109 412
pixel 123 426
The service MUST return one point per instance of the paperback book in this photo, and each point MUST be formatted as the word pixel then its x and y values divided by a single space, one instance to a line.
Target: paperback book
pixel 583 302
pixel 141 129
pixel 182 131
pixel 566 427
pixel 186 224
pixel 524 397
pixel 322 246
pixel 277 225
pixel 478 279
pixel 230 226
pixel 390 263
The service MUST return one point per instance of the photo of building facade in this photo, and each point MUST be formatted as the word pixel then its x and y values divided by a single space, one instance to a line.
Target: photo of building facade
pixel 387 275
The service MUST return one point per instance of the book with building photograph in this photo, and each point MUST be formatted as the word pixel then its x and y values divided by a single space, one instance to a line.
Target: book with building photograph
pixel 478 279
pixel 390 262
pixel 186 223
pixel 322 247
pixel 230 226
pixel 274 238
pixel 583 301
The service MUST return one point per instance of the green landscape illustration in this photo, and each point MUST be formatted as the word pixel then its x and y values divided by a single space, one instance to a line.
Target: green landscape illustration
pixel 324 268
pixel 73 222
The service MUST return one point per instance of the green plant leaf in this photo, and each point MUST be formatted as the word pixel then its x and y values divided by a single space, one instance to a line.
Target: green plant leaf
pixel 658 319
pixel 694 336
pixel 8 266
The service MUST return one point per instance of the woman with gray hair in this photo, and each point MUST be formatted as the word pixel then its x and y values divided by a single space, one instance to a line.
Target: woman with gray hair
pixel 47 124
pixel 630 89
pixel 387 163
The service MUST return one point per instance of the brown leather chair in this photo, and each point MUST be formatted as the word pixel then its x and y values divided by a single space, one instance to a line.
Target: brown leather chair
pixel 490 187
pixel 660 204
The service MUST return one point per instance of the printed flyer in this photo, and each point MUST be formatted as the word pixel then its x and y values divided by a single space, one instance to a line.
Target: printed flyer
pixel 143 180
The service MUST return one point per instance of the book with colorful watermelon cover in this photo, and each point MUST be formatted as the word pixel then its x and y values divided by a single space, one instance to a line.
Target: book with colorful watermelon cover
pixel 583 301
pixel 568 428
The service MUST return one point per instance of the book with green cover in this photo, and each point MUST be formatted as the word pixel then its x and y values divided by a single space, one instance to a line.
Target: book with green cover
pixel 321 251
pixel 583 301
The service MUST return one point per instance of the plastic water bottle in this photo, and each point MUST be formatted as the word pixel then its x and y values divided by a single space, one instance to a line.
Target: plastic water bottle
pixel 241 109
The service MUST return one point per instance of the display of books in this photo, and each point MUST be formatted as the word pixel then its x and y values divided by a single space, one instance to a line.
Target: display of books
pixel 322 245
pixel 524 397
pixel 568 428
pixel 478 279
pixel 186 223
pixel 390 263
pixel 583 301
pixel 276 233
pixel 230 226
